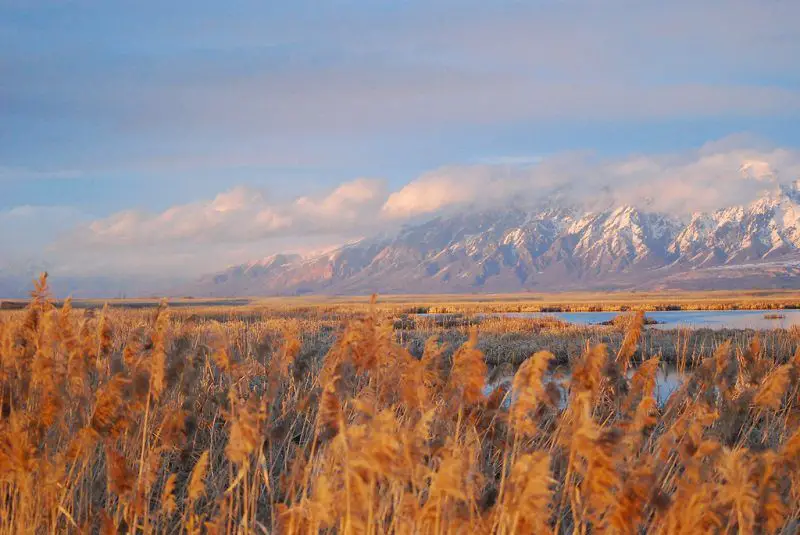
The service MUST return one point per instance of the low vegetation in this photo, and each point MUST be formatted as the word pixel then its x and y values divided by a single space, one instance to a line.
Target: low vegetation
pixel 471 304
pixel 187 421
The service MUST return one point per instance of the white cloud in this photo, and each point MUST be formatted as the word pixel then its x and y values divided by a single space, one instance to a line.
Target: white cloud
pixel 236 199
pixel 347 202
pixel 242 223
pixel 431 193
pixel 240 215
pixel 701 180
pixel 453 186
pixel 237 215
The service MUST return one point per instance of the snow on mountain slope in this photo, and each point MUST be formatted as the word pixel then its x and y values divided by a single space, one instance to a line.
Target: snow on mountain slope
pixel 547 249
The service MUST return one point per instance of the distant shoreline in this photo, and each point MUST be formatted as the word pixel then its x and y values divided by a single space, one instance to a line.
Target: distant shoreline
pixel 474 303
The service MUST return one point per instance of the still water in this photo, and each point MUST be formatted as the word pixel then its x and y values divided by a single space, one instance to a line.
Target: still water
pixel 708 319
pixel 668 380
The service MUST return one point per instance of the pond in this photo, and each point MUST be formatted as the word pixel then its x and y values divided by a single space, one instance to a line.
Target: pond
pixel 708 319
pixel 668 380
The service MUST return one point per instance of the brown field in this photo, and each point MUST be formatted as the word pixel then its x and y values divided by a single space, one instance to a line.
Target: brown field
pixel 478 303
pixel 344 417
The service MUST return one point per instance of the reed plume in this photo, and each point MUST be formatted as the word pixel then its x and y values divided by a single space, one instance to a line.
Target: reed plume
pixel 360 419
pixel 529 390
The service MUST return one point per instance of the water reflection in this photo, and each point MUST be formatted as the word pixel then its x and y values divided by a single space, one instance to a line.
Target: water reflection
pixel 668 380
pixel 708 319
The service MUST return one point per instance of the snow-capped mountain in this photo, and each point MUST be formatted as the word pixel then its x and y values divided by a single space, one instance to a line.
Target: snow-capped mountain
pixel 547 249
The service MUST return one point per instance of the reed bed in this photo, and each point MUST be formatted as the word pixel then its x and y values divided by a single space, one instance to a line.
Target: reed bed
pixel 468 304
pixel 167 421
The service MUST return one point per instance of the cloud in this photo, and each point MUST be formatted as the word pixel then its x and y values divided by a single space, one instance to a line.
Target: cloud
pixel 242 223
pixel 429 194
pixel 348 202
pixel 235 226
pixel 236 215
pixel 327 90
pixel 239 215
pixel 285 87
pixel 450 186
pixel 706 179
pixel 703 181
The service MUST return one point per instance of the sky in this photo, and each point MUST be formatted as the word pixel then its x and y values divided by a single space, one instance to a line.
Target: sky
pixel 143 137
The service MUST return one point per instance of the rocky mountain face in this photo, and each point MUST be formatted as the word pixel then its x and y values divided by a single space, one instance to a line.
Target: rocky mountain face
pixel 547 249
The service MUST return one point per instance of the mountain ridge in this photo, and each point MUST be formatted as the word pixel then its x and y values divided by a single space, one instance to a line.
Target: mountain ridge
pixel 551 247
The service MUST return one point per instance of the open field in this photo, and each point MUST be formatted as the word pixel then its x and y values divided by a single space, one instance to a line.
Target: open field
pixel 566 301
pixel 527 302
pixel 358 419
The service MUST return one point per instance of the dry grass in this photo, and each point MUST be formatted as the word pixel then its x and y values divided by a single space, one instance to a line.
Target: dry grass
pixel 467 304
pixel 169 421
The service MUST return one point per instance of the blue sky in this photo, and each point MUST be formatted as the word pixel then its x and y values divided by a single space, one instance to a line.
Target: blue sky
pixel 115 113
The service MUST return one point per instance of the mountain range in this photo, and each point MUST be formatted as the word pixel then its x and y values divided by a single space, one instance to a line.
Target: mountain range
pixel 550 247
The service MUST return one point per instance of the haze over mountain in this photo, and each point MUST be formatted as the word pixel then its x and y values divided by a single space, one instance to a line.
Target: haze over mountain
pixel 547 248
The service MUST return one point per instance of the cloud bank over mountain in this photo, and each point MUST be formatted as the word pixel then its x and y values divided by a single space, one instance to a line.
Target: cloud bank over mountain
pixel 243 223
pixel 550 248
